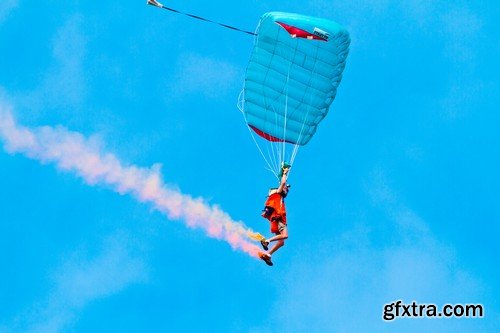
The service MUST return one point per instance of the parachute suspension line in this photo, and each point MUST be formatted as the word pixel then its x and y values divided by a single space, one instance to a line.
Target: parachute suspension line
pixel 276 145
pixel 240 106
pixel 275 155
pixel 297 146
pixel 292 157
pixel 273 148
pixel 272 155
pixel 294 153
pixel 286 115
pixel 284 120
pixel 269 167
pixel 159 5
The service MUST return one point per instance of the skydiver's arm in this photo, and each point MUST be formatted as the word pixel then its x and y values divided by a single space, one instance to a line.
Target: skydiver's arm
pixel 283 182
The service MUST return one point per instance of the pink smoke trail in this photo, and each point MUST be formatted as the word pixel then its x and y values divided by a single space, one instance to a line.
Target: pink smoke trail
pixel 71 151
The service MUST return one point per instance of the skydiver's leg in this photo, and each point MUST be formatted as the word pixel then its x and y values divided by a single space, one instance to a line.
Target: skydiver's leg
pixel 283 234
pixel 279 238
pixel 276 246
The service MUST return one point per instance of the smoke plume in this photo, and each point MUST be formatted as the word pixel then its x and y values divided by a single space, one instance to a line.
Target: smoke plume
pixel 72 152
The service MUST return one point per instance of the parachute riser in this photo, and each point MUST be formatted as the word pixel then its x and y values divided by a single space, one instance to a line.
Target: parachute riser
pixel 159 5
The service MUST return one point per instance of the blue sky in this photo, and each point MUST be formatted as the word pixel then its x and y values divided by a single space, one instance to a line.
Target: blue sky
pixel 396 196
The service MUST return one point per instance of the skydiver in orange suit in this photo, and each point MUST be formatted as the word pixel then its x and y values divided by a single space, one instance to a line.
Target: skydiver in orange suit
pixel 275 212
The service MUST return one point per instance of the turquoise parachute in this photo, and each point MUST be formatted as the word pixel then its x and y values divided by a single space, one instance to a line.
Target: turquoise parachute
pixel 291 80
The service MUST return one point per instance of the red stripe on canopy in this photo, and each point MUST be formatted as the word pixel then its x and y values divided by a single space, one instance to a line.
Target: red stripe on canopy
pixel 266 136
pixel 296 32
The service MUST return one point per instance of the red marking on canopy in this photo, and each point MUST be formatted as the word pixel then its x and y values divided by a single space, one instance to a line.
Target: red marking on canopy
pixel 266 136
pixel 296 32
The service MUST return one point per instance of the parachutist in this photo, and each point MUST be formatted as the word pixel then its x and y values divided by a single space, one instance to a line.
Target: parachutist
pixel 275 212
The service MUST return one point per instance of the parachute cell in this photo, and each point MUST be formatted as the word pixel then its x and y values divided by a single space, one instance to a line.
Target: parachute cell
pixel 292 77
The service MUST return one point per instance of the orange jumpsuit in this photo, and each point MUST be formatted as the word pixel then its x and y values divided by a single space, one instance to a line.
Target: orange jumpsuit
pixel 275 211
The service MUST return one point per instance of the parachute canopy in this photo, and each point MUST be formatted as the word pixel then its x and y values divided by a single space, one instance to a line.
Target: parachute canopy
pixel 293 74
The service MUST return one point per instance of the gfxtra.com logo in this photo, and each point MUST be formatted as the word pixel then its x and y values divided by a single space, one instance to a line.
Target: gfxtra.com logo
pixel 398 309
